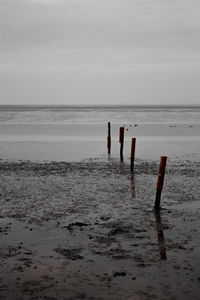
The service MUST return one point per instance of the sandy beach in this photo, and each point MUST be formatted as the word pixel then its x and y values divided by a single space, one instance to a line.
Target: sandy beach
pixel 80 225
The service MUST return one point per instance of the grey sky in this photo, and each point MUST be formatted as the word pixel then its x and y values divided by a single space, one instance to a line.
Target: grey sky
pixel 99 51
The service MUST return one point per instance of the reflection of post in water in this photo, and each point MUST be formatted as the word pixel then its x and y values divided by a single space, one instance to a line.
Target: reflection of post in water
pixel 133 186
pixel 160 234
pixel 121 167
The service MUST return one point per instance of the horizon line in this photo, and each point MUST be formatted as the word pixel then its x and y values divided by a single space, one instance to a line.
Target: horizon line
pixel 98 105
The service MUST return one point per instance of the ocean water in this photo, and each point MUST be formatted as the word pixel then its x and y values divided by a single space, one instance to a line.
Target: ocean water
pixel 98 115
pixel 74 133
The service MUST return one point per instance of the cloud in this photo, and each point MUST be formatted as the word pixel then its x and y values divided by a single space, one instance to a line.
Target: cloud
pixel 96 37
pixel 44 2
pixel 112 23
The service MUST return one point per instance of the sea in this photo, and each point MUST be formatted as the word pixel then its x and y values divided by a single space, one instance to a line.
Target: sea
pixel 74 133
pixel 98 114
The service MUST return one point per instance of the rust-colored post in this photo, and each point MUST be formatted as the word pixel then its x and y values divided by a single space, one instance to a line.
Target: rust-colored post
pixel 109 138
pixel 160 181
pixel 133 153
pixel 121 140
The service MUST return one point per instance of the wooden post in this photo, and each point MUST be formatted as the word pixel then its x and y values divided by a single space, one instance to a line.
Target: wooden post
pixel 160 181
pixel 121 140
pixel 109 138
pixel 133 153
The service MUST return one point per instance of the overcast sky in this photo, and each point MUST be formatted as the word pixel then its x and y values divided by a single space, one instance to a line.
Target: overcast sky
pixel 100 52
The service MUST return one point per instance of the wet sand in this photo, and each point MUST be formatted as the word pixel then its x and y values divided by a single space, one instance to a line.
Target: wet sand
pixel 87 230
pixel 75 142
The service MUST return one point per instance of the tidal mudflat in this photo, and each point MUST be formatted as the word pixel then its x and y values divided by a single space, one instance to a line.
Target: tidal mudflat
pixel 87 230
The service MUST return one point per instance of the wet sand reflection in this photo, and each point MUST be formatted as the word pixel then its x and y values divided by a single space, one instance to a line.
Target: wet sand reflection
pixel 133 186
pixel 160 235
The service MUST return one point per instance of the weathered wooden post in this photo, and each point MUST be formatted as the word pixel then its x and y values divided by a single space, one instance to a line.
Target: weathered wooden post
pixel 160 181
pixel 121 140
pixel 133 153
pixel 109 138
